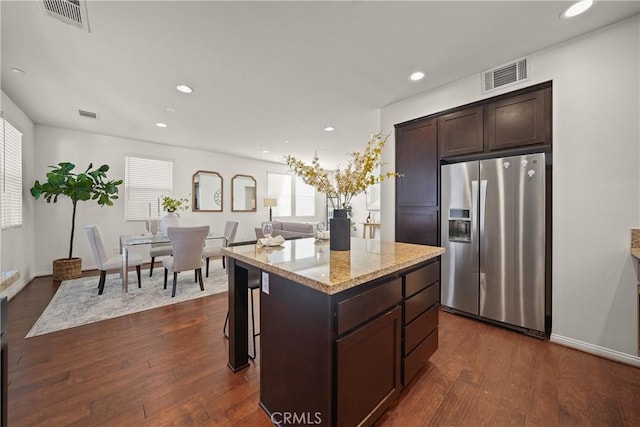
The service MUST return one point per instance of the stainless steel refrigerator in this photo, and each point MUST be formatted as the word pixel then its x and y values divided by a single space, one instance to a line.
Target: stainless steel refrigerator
pixel 493 229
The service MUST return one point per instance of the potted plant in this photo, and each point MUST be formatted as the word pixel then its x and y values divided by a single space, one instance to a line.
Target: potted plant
pixel 88 185
pixel 171 206
pixel 362 171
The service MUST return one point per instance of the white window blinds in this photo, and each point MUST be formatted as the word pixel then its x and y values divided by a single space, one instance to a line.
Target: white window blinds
pixel 145 182
pixel 11 161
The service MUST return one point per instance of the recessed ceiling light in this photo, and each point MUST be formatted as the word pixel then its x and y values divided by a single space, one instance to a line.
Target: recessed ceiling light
pixel 286 141
pixel 418 75
pixel 170 110
pixel 265 151
pixel 184 88
pixel 577 8
pixel 329 129
pixel 17 70
pixel 161 125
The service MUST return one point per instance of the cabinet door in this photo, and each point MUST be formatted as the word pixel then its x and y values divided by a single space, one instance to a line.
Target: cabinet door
pixel 417 160
pixel 417 225
pixel 519 121
pixel 461 132
pixel 368 369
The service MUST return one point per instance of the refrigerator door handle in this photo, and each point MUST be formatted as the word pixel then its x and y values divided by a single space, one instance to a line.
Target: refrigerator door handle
pixel 483 214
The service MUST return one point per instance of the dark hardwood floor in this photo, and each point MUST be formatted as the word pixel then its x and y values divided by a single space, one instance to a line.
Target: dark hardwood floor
pixel 167 366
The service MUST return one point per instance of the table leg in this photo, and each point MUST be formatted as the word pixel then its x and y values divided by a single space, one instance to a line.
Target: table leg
pixel 364 231
pixel 124 272
pixel 238 311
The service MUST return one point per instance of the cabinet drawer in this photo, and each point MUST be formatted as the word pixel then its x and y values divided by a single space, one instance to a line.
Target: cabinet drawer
pixel 412 364
pixel 421 278
pixel 358 309
pixel 420 302
pixel 418 330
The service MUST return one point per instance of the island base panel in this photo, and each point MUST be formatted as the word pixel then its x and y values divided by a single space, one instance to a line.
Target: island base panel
pixel 295 352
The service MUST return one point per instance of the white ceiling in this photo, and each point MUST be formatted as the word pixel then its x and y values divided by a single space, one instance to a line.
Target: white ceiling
pixel 263 72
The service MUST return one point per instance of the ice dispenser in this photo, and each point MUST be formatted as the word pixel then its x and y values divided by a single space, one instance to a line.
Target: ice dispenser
pixel 459 225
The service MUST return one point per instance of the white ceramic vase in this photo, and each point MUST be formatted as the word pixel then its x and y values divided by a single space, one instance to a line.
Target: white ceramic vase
pixel 171 219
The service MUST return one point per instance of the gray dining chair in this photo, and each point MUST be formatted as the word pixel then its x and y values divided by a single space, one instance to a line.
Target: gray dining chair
pixel 186 243
pixel 230 229
pixel 105 263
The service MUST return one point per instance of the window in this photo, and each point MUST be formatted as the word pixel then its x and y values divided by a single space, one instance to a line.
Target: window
pixel 145 182
pixel 305 198
pixel 280 187
pixel 295 198
pixel 11 160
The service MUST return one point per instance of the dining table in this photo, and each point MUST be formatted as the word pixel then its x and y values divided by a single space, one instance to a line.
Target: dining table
pixel 130 240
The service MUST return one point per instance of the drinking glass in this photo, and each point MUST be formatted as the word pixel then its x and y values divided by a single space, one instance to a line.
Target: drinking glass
pixel 267 230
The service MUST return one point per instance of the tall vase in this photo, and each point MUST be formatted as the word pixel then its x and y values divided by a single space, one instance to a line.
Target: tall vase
pixel 171 219
pixel 340 231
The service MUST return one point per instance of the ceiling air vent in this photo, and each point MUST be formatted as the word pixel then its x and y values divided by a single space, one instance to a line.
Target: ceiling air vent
pixel 505 75
pixel 72 12
pixel 88 114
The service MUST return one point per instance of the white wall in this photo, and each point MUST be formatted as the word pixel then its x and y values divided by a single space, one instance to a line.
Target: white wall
pixel 18 243
pixel 53 221
pixel 596 187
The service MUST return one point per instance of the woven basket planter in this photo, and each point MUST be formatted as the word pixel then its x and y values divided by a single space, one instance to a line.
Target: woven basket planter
pixel 67 268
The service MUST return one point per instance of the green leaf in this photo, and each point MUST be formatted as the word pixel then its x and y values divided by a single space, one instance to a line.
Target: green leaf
pixel 91 184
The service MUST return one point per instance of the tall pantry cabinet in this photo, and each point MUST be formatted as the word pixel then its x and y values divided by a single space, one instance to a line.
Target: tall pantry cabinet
pixel 417 190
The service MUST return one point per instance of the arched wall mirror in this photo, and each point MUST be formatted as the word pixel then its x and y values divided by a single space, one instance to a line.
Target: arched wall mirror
pixel 243 193
pixel 207 192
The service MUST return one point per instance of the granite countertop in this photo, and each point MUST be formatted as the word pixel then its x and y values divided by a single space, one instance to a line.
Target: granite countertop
pixel 635 242
pixel 311 263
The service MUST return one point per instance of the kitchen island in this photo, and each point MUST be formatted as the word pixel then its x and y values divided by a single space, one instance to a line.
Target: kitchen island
pixel 341 332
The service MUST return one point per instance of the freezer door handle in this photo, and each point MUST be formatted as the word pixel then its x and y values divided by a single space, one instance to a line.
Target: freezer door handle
pixel 474 222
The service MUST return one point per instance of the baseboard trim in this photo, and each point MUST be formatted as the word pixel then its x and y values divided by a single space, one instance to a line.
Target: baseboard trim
pixel 607 353
pixel 14 288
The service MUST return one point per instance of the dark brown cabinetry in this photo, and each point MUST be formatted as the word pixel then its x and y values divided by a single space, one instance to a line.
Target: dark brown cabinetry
pixel 461 132
pixel 417 190
pixel 514 120
pixel 352 340
pixel 359 371
pixel 518 121
pixel 417 161
pixel 420 299
pixel 342 357
pixel 417 225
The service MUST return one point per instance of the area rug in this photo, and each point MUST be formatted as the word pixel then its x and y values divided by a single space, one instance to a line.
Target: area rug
pixel 77 301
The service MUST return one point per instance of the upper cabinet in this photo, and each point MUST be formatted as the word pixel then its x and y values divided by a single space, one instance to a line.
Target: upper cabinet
pixel 417 161
pixel 243 193
pixel 516 120
pixel 461 132
pixel 207 192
